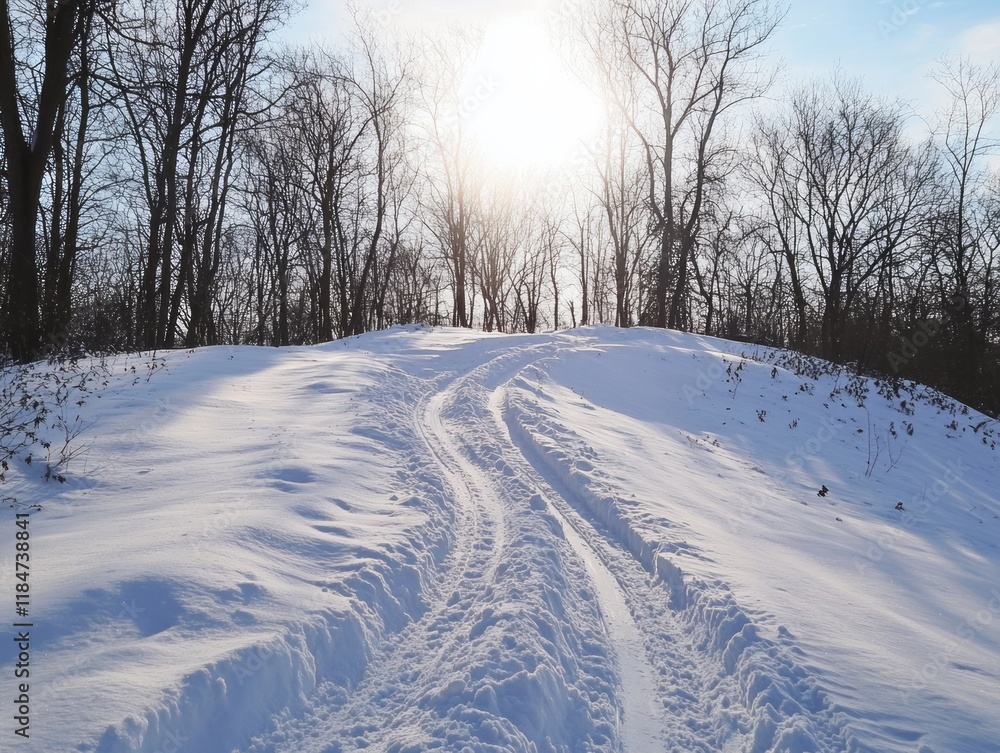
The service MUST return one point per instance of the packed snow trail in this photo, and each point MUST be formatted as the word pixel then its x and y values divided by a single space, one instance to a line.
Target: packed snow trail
pixel 435 539
pixel 473 669
pixel 457 676
pixel 641 727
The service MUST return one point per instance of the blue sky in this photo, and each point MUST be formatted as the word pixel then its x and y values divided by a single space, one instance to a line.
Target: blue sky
pixel 891 43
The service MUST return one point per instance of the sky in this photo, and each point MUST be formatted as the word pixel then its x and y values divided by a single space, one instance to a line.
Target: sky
pixel 890 43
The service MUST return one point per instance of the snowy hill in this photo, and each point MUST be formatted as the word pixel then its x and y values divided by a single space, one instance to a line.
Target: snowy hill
pixel 597 540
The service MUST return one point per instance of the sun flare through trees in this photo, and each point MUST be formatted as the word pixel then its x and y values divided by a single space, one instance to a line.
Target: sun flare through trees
pixel 174 175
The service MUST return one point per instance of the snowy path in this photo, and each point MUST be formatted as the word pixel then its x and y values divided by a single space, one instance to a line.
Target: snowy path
pixel 641 724
pixel 593 541
pixel 676 696
pixel 445 677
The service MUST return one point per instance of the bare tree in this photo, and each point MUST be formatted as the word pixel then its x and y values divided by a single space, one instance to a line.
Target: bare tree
pixel 844 191
pixel 29 119
pixel 499 225
pixel 964 252
pixel 622 197
pixel 676 70
pixel 381 87
pixel 185 74
pixel 450 163
pixel 324 131
pixel 275 201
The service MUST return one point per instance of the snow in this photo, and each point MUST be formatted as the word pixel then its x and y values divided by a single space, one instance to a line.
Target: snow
pixel 594 540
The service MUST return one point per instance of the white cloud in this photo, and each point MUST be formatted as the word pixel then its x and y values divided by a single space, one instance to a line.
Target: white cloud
pixel 981 42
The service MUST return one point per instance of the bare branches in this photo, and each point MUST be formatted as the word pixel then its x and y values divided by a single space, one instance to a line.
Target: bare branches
pixel 675 70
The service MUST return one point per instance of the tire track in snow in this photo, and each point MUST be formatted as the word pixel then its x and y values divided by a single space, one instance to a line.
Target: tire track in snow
pixel 641 728
pixel 408 659
pixel 726 688
pixel 418 688
pixel 666 681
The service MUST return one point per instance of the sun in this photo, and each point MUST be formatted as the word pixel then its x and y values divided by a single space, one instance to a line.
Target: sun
pixel 521 105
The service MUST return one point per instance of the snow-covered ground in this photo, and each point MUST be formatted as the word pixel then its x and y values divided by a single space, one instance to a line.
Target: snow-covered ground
pixel 427 539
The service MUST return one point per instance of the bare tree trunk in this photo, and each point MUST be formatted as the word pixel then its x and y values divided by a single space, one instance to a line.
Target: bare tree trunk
pixel 26 160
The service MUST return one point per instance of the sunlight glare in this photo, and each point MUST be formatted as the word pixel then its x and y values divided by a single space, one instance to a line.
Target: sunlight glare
pixel 520 103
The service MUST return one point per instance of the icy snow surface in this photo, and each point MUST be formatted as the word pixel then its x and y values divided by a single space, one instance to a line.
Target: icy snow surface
pixel 434 539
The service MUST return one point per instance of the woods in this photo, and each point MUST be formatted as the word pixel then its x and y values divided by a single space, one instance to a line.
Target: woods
pixel 174 176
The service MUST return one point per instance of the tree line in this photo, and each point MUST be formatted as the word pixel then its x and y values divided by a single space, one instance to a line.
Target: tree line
pixel 173 176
